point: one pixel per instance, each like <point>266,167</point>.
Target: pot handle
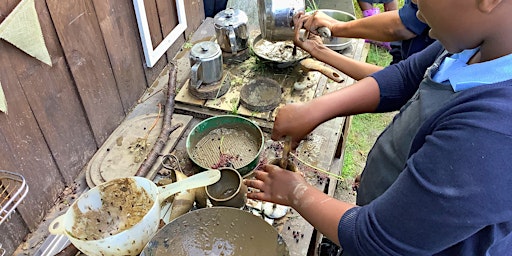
<point>232,39</point>
<point>201,179</point>
<point>57,226</point>
<point>194,79</point>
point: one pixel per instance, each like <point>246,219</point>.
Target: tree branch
<point>167,129</point>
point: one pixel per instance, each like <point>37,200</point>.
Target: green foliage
<point>378,56</point>
<point>364,130</point>
<point>311,5</point>
<point>234,106</point>
<point>187,45</point>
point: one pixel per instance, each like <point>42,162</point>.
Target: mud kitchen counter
<point>322,149</point>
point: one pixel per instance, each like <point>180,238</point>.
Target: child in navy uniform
<point>399,26</point>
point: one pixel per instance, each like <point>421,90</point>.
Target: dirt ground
<point>344,191</point>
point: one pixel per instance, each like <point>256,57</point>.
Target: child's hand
<point>292,119</point>
<point>277,185</point>
<point>305,40</point>
<point>313,22</point>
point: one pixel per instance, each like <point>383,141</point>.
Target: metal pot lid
<point>230,17</point>
<point>205,50</point>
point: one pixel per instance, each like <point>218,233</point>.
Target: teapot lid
<point>230,17</point>
<point>205,50</point>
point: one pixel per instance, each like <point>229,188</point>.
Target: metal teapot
<point>276,18</point>
<point>206,62</point>
<point>231,30</point>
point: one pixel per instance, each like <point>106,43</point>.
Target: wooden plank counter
<point>319,149</point>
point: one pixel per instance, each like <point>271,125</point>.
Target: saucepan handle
<point>57,226</point>
<point>201,179</point>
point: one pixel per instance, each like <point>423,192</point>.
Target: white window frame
<point>152,54</point>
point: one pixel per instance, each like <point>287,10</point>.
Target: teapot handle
<point>232,39</point>
<point>194,80</point>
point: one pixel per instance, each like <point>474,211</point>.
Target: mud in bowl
<point>120,216</point>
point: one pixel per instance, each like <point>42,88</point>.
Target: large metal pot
<point>206,61</point>
<point>217,231</point>
<point>231,30</point>
<point>276,18</point>
<point>337,43</point>
<point>119,217</point>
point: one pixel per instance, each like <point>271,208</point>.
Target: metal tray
<point>13,189</point>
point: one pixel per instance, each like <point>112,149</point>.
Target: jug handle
<point>57,226</point>
<point>201,179</point>
<point>232,39</point>
<point>194,80</point>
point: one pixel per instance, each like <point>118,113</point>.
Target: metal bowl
<point>278,54</point>
<point>337,43</point>
<point>217,231</point>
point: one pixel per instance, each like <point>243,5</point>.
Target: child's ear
<point>487,6</point>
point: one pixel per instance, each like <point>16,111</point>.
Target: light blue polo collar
<point>455,70</point>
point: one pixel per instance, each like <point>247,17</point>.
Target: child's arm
<point>290,188</point>
<point>385,27</point>
<point>385,90</point>
<point>314,45</point>
<point>299,119</point>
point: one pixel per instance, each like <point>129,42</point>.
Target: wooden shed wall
<point>59,116</point>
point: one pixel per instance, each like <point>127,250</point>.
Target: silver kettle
<point>206,62</point>
<point>231,30</point>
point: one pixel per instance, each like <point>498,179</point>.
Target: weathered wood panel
<point>79,32</point>
<point>13,231</point>
<point>155,31</point>
<point>119,28</point>
<point>167,24</point>
<point>55,103</point>
<point>23,147</point>
<point>195,16</point>
<point>6,7</point>
<point>59,115</point>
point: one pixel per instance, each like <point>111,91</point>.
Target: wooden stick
<point>167,129</point>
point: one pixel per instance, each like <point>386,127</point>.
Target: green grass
<point>365,128</point>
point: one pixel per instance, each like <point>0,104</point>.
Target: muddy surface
<point>124,205</point>
<point>219,231</point>
<point>261,94</point>
<point>226,146</point>
<point>280,51</point>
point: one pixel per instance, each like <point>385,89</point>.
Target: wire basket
<point>13,189</point>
